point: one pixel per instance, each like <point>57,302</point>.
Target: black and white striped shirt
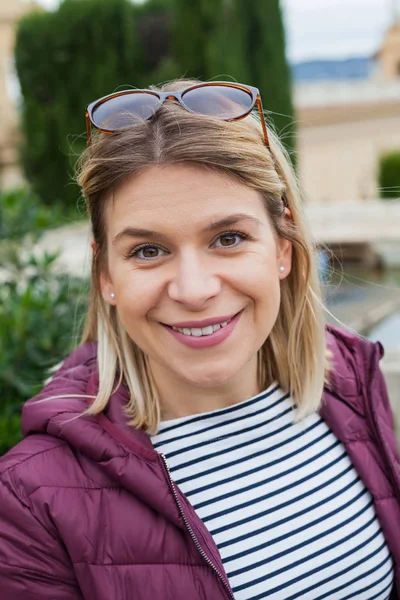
<point>285,506</point>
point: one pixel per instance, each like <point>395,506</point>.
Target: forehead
<point>179,196</point>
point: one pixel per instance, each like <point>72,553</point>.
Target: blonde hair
<point>294,354</point>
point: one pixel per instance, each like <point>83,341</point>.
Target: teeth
<point>207,330</point>
<point>198,332</point>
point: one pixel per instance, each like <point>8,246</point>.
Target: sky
<point>336,28</point>
<point>330,28</point>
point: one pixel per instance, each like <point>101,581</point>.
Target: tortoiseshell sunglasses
<point>217,99</point>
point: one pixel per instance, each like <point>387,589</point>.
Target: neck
<point>182,398</point>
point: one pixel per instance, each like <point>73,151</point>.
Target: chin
<point>211,377</point>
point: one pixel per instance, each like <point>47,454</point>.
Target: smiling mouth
<point>202,331</point>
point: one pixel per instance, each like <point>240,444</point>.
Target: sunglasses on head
<point>217,99</point>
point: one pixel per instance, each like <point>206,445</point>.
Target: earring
<point>282,269</point>
<point>112,295</point>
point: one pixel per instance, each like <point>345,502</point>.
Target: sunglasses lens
<point>222,102</point>
<point>125,110</point>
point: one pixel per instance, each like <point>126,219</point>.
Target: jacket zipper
<point>191,532</point>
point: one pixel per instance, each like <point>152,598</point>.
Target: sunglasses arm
<point>262,119</point>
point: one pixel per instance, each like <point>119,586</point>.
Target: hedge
<point>389,175</point>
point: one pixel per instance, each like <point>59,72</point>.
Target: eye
<point>146,252</point>
<point>229,239</point>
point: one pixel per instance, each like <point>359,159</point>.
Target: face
<point>194,265</point>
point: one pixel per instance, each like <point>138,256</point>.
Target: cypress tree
<point>196,28</point>
<point>253,51</point>
<point>65,59</point>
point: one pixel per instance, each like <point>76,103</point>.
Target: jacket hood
<point>122,453</point>
<point>57,409</point>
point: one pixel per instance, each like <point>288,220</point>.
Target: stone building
<point>388,57</point>
<point>10,13</point>
<point>345,126</point>
<point>343,129</point>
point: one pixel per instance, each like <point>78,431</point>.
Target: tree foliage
<point>89,48</point>
<point>65,59</point>
<point>243,41</point>
<point>253,51</point>
<point>197,31</point>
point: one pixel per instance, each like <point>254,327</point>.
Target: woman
<point>209,439</point>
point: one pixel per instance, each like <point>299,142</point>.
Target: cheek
<point>261,283</point>
<point>137,293</point>
<point>260,274</point>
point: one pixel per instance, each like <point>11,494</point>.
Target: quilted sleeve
<point>33,564</point>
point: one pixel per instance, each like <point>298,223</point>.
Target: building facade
<point>10,13</point>
<point>345,126</point>
<point>388,56</point>
<point>343,129</point>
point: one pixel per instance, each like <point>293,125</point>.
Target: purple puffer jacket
<point>88,510</point>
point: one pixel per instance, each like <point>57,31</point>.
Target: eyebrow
<point>232,220</point>
<point>140,233</point>
<point>225,222</point>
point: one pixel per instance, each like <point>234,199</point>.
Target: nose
<point>194,282</point>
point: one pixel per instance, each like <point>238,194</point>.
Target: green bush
<point>10,431</point>
<point>22,212</point>
<point>39,315</point>
<point>389,175</point>
<point>40,311</point>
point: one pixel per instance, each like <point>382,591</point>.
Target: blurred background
<point>329,76</point>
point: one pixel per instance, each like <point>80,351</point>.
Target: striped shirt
<point>285,506</point>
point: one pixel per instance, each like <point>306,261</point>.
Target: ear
<point>284,252</point>
<point>106,285</point>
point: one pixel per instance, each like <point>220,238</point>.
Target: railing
<point>355,222</point>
